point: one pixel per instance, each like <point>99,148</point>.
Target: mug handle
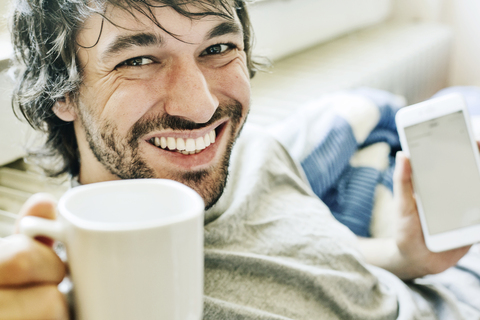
<point>35,226</point>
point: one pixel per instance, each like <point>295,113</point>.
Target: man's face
<point>156,106</point>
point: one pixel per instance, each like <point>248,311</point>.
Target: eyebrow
<point>227,27</point>
<point>135,40</point>
<point>125,42</point>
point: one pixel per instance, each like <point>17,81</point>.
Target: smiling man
<point>157,103</point>
<point>138,89</point>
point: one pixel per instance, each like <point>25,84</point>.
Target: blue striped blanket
<point>346,143</point>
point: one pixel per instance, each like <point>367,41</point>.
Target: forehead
<point>162,19</point>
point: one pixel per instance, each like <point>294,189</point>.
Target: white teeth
<point>185,146</point>
<point>200,143</point>
<point>180,144</point>
<point>190,145</point>
<point>212,136</point>
<point>163,142</point>
<point>207,139</point>
<point>171,144</point>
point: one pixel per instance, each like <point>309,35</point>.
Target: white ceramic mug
<point>134,249</point>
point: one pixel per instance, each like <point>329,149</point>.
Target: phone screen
<point>445,174</point>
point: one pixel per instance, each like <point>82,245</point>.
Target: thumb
<point>402,182</point>
<point>42,205</point>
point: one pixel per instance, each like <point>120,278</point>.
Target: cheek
<point>131,100</point>
<point>233,82</point>
<point>122,102</point>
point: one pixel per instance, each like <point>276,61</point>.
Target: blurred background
<point>410,47</point>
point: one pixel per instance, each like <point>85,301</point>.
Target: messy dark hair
<point>44,37</point>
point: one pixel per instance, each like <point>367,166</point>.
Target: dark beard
<point>119,155</point>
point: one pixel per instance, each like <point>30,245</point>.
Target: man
<point>128,89</point>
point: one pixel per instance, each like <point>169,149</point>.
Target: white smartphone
<point>437,137</point>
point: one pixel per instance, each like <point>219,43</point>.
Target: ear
<point>65,110</point>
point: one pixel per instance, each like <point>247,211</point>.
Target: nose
<point>188,93</point>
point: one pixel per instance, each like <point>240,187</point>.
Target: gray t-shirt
<point>274,251</point>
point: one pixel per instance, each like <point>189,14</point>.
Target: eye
<point>218,49</point>
<point>136,62</point>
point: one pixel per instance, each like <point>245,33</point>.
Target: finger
<point>26,261</point>
<point>446,259</point>
<point>457,254</point>
<point>40,205</point>
<point>402,179</point>
<point>403,171</point>
<point>463,250</point>
<point>403,188</point>
<point>44,302</point>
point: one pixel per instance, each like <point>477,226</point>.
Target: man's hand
<point>30,271</point>
<point>415,257</point>
<point>407,255</point>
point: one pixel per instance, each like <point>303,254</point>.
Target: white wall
<point>421,10</point>
<point>464,17</point>
<point>284,27</point>
<point>12,131</point>
<point>4,5</point>
<point>4,37</point>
